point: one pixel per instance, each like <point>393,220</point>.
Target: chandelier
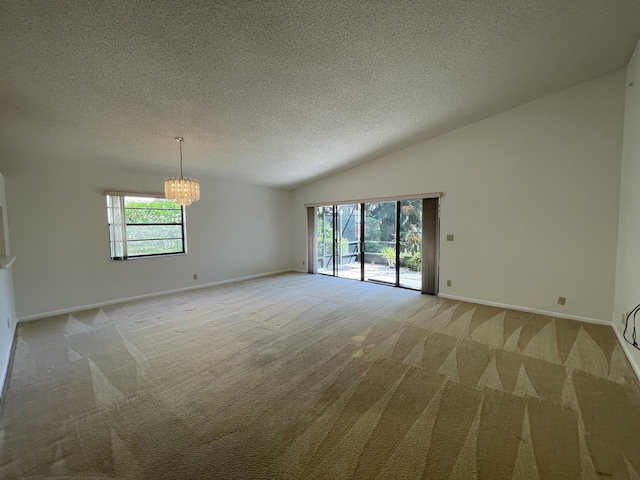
<point>184,191</point>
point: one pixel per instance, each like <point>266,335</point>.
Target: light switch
<point>449,238</point>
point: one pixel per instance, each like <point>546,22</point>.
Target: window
<point>144,225</point>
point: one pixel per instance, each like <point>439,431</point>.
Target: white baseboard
<point>528,310</point>
<point>80,308</point>
<point>628,351</point>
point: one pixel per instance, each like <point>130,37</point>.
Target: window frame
<point>116,206</point>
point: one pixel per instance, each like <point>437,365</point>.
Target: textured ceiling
<point>281,92</point>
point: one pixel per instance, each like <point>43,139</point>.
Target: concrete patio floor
<point>378,273</point>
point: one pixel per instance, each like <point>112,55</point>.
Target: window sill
<point>161,255</point>
<point>6,261</point>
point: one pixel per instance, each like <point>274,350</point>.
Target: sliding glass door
<point>338,230</point>
<point>380,246</point>
<point>410,242</point>
<point>384,248</point>
<point>348,238</point>
<point>324,224</point>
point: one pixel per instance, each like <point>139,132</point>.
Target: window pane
<point>325,240</point>
<point>411,243</point>
<point>152,210</point>
<point>153,232</point>
<point>380,242</point>
<point>153,247</point>
<point>155,201</point>
<point>348,238</point>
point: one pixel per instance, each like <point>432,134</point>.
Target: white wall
<point>59,235</point>
<point>7,308</point>
<point>530,194</point>
<point>627,294</point>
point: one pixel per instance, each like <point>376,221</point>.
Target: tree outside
<point>154,226</point>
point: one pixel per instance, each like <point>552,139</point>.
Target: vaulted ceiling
<point>281,92</point>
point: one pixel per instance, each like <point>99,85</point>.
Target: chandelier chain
<point>180,142</point>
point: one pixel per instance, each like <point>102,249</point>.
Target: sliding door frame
<point>361,246</point>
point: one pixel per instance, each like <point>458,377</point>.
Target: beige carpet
<point>302,377</point>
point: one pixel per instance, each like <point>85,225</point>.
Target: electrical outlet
<point>195,276</point>
<point>448,283</point>
<point>449,238</point>
<point>562,300</point>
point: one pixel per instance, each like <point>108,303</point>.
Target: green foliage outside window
<point>153,211</point>
<point>154,226</point>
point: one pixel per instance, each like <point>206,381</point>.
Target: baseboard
<point>526,309</point>
<point>8,359</point>
<point>628,351</point>
<point>80,308</point>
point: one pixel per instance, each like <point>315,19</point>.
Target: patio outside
<point>377,273</point>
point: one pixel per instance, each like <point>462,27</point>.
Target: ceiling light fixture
<point>184,191</point>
